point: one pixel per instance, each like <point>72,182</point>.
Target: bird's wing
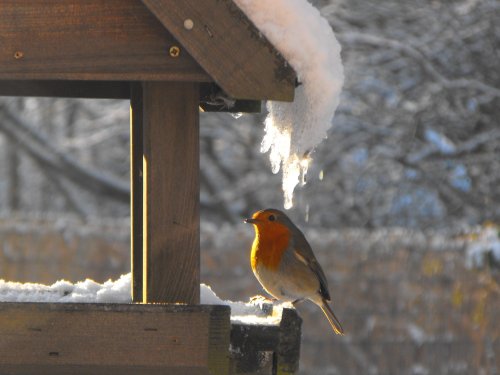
<point>307,257</point>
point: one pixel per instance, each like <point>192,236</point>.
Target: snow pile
<point>118,291</point>
<point>485,249</point>
<point>307,42</point>
<point>63,291</point>
<point>246,313</point>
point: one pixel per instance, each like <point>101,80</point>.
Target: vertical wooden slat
<point>288,353</point>
<point>266,349</point>
<point>171,192</point>
<point>136,152</point>
<point>219,341</point>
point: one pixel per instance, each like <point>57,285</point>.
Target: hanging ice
<point>308,43</point>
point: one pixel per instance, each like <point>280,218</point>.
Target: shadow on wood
<point>267,349</point>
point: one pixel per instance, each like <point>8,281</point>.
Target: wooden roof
<point>127,40</point>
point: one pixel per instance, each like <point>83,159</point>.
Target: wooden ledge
<point>54,338</point>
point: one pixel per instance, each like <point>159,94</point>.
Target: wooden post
<point>286,357</point>
<point>170,192</point>
<point>136,152</point>
<point>266,349</point>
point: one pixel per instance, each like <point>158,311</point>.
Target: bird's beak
<point>250,221</point>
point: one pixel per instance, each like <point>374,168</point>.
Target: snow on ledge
<point>62,291</point>
<point>89,291</point>
<point>306,40</point>
<point>245,313</point>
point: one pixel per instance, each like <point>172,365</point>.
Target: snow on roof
<point>118,291</point>
<point>306,40</point>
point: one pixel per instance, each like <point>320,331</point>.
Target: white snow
<point>64,291</point>
<point>487,244</point>
<point>118,291</point>
<point>306,40</point>
<point>247,313</point>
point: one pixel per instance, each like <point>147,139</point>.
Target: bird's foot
<point>261,299</point>
<point>264,303</point>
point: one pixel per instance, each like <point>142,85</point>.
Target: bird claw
<point>261,299</point>
<point>264,303</point>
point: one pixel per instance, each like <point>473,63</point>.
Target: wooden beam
<point>228,47</point>
<point>211,96</point>
<point>171,191</point>
<point>89,40</point>
<point>66,89</point>
<point>214,99</point>
<point>136,192</point>
<point>61,339</point>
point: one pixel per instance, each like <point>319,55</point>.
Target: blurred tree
<point>415,141</point>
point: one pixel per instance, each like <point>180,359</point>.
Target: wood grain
<point>229,47</point>
<point>108,338</point>
<point>88,40</point>
<point>171,188</point>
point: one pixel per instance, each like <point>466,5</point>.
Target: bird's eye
<point>272,217</point>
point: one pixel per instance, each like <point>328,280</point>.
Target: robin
<point>284,263</point>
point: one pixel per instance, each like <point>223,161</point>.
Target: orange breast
<point>269,245</point>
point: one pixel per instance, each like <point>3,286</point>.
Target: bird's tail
<point>332,319</point>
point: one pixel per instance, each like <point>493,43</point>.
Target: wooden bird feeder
<point>169,58</point>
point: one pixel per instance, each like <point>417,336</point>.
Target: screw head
<point>174,51</point>
<point>188,24</point>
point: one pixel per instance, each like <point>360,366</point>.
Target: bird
<point>284,263</point>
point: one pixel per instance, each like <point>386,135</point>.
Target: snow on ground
<point>118,291</point>
<point>307,42</point>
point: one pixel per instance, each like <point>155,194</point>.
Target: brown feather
<point>307,254</point>
<point>332,319</point>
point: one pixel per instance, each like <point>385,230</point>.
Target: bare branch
<point>42,150</point>
<point>421,59</point>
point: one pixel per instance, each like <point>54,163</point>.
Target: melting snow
<point>307,42</point>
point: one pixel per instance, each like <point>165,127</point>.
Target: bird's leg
<point>297,301</point>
